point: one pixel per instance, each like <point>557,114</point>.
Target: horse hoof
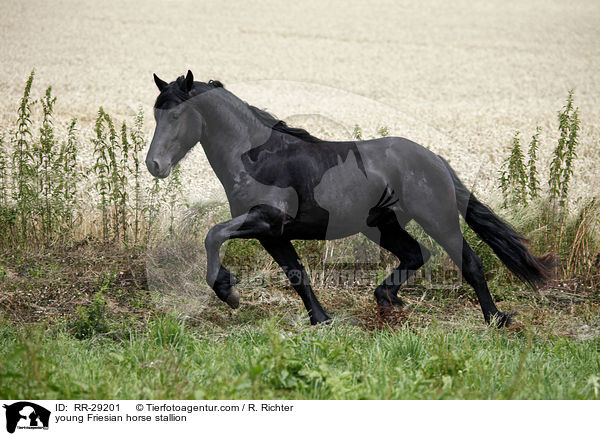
<point>322,319</point>
<point>504,319</point>
<point>233,300</point>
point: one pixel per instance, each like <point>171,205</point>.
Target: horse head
<point>178,124</point>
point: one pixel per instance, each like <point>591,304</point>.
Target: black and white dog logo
<point>26,415</point>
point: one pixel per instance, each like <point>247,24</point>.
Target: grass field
<point>264,360</point>
<point>90,328</point>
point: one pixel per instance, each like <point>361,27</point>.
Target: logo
<point>26,415</point>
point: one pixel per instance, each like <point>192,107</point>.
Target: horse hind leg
<point>447,233</point>
<point>411,254</point>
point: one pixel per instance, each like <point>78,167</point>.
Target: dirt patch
<point>48,285</point>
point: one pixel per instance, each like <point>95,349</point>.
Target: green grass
<point>268,360</point>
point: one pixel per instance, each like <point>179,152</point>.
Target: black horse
<point>283,184</point>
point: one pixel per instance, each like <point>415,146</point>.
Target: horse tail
<point>509,246</point>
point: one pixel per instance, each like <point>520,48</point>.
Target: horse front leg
<point>250,225</point>
<point>285,255</point>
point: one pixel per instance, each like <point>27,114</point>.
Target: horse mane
<point>173,95</point>
<point>270,121</point>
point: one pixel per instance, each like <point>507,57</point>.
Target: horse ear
<point>189,81</point>
<point>159,83</point>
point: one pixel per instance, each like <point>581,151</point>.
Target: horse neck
<point>230,130</point>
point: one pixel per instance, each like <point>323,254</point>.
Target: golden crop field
<point>460,77</point>
<point>112,286</point>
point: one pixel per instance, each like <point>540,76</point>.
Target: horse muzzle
<point>158,170</point>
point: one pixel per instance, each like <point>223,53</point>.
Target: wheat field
<point>93,307</point>
<point>460,77</point>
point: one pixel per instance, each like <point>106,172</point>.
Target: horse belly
<point>347,193</point>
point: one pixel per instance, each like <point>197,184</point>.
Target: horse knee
<point>213,238</point>
<point>416,259</point>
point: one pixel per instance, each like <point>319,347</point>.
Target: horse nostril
<point>160,170</point>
